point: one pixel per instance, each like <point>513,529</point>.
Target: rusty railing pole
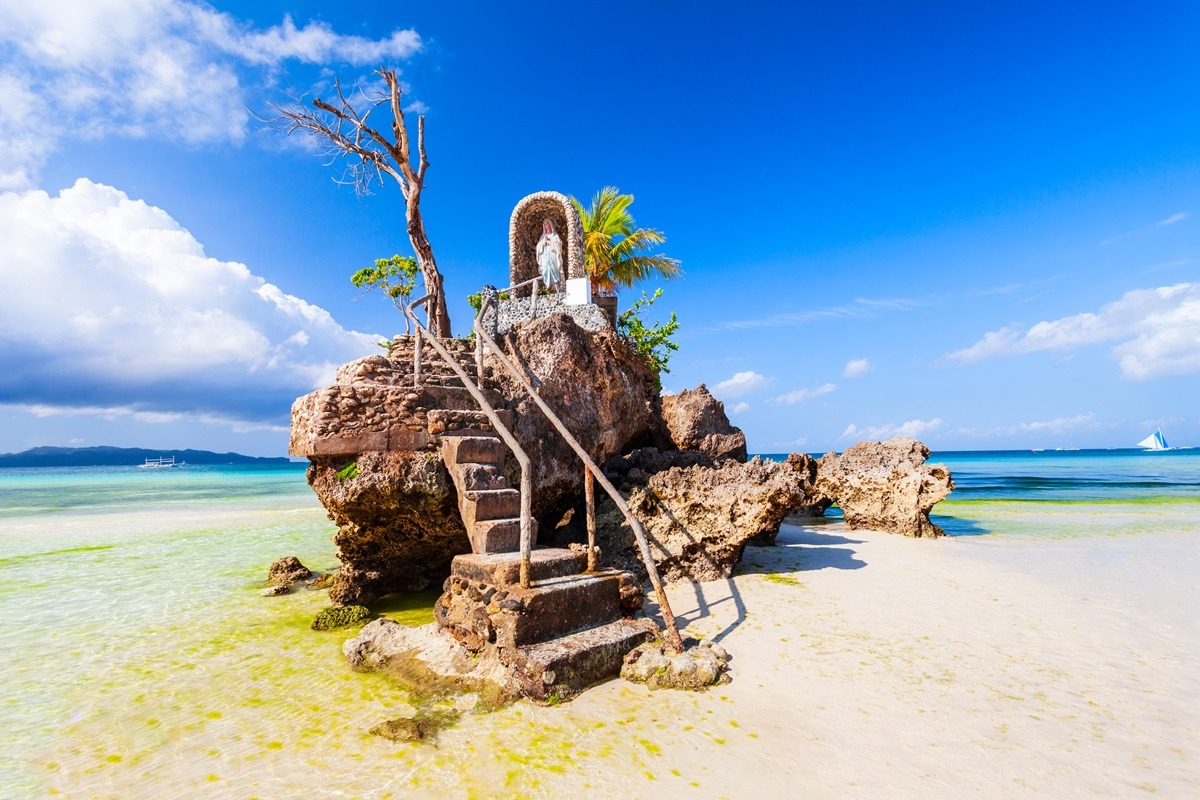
<point>673,638</point>
<point>533,296</point>
<point>526,522</point>
<point>589,493</point>
<point>417,358</point>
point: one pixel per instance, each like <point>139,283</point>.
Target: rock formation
<point>373,439</point>
<point>886,486</point>
<point>286,571</point>
<point>699,514</point>
<point>696,420</point>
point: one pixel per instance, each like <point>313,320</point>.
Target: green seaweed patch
<point>784,580</point>
<point>329,619</point>
<point>48,553</point>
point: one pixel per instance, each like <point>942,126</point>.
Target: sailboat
<point>1154,441</point>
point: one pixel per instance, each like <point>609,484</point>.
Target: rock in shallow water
<point>287,571</point>
<point>340,617</point>
<point>886,486</point>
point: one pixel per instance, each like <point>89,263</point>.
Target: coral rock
<point>886,486</point>
<point>700,516</point>
<point>287,571</point>
<point>696,420</point>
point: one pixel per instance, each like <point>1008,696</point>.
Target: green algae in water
<point>328,619</point>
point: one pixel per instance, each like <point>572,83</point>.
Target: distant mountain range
<point>121,457</point>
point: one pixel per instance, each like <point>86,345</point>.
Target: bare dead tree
<point>342,126</point>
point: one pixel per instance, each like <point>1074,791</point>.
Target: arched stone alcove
<point>525,228</point>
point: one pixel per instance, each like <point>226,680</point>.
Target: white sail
<point>1154,441</point>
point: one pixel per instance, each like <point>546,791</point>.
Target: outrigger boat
<point>161,462</point>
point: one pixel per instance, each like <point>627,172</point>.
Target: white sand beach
<point>865,665</point>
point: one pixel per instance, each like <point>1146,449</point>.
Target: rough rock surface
<point>398,522</point>
<point>886,486</point>
<point>596,384</point>
<point>813,504</point>
<point>429,661</point>
<point>396,507</point>
<point>286,571</point>
<point>339,617</point>
<point>697,667</point>
<point>699,514</point>
<point>696,420</point>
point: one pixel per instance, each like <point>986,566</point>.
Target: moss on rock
<point>340,617</point>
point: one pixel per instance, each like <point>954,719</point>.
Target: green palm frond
<point>615,250</point>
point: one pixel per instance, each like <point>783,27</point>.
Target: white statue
<point>549,256</point>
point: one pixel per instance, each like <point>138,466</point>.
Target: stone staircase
<point>565,630</point>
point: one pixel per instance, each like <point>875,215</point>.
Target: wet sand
<point>865,665</point>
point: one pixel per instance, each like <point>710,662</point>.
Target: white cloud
<point>857,368</point>
<point>1179,216</point>
<point>108,306</point>
<point>860,308</point>
<point>170,69</point>
<point>741,383</point>
<point>1157,333</point>
<point>915,428</point>
<point>740,408</point>
<point>1079,422</point>
<point>800,395</point>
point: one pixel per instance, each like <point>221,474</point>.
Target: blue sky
<point>975,224</point>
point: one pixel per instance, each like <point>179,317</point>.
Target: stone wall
<point>517,309</point>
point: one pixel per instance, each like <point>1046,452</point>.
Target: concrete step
<point>473,450</point>
<point>499,536</point>
<point>491,504</point>
<point>558,606</point>
<point>504,569</point>
<point>565,666</point>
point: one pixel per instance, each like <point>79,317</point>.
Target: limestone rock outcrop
<point>373,440</point>
<point>695,420</point>
<point>398,523</point>
<point>699,513</point>
<point>603,392</point>
<point>886,486</point>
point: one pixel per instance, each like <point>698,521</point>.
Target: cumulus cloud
<point>108,306</point>
<point>800,395</point>
<point>138,68</point>
<point>741,383</point>
<point>916,428</point>
<point>740,408</point>
<point>1156,333</point>
<point>857,368</point>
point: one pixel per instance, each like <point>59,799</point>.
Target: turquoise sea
<point>137,658</point>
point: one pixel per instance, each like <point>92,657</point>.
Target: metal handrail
<point>592,471</point>
<point>497,424</point>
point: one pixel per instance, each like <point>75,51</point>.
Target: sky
<point>977,224</point>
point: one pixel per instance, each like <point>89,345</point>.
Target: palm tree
<point>615,254</point>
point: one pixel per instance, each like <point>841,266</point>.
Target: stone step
<point>473,450</point>
<point>492,504</point>
<point>567,665</point>
<point>558,606</point>
<point>504,569</point>
<point>499,536</point>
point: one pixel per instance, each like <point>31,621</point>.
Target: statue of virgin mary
<point>549,256</point>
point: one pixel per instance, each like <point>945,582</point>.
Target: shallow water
<point>138,659</point>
